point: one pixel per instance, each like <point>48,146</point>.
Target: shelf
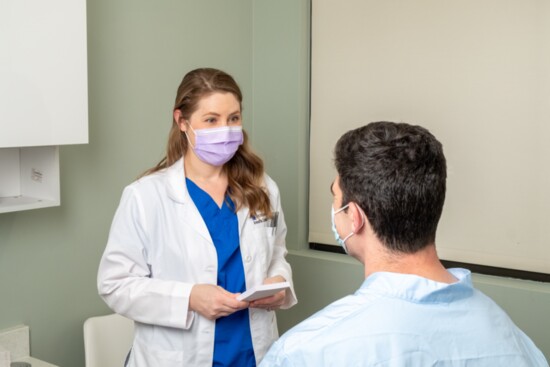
<point>29,178</point>
<point>14,204</point>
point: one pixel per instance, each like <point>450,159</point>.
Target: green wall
<point>138,51</point>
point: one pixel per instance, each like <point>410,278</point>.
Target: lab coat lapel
<point>191,216</point>
<point>177,191</point>
<point>242,216</point>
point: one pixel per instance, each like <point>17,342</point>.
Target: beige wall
<point>138,51</point>
<point>320,277</point>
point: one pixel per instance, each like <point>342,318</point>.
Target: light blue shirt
<point>405,320</point>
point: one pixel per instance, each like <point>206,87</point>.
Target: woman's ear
<point>180,120</point>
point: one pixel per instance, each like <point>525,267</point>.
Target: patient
<point>410,311</point>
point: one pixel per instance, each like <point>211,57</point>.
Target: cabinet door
<point>43,73</point>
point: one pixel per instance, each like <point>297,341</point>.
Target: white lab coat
<point>159,247</point>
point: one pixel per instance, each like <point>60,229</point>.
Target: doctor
<point>195,231</point>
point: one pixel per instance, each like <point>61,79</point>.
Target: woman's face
<point>215,110</point>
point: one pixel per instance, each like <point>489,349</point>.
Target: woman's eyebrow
<point>210,114</point>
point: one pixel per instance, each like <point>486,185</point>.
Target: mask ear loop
<point>187,136</point>
<point>362,220</point>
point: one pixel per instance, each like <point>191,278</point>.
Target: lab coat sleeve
<point>279,265</point>
<point>124,278</point>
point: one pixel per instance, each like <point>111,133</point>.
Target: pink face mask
<point>216,146</point>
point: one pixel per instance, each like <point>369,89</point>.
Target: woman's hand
<point>272,302</point>
<point>213,301</point>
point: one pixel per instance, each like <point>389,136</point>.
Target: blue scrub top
<point>233,341</point>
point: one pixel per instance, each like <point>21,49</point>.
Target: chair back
<point>107,340</point>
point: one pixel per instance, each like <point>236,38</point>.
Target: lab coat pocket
<point>264,241</point>
<point>145,356</point>
<point>152,354</point>
<point>167,358</point>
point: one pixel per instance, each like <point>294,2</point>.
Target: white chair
<point>107,340</point>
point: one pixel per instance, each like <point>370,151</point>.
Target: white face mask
<point>341,242</point>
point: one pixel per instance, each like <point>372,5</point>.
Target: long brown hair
<point>245,171</point>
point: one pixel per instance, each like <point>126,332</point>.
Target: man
<point>410,310</point>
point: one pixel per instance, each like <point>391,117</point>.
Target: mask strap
<point>187,136</point>
<point>348,236</point>
<point>342,208</point>
<point>362,221</point>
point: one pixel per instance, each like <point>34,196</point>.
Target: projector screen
<point>476,73</point>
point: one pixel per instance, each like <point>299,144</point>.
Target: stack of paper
<point>262,291</point>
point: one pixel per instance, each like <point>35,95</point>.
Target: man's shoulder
<point>349,340</point>
<point>326,325</point>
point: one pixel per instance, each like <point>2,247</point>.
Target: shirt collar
<point>414,288</point>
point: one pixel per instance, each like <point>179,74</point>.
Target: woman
<point>195,231</point>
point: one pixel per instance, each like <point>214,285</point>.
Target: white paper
<point>262,291</point>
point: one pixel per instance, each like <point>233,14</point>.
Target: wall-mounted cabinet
<point>30,178</point>
<point>43,96</point>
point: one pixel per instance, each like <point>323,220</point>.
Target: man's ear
<point>180,120</point>
<point>358,217</point>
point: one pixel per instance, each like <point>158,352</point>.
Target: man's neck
<point>424,263</point>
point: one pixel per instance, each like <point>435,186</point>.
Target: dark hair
<point>396,173</point>
<point>245,171</point>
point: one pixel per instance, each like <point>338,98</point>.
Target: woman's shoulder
<point>165,184</point>
<point>272,188</point>
<point>146,185</point>
<point>268,180</point>
<point>270,183</point>
<point>152,179</point>
<point>158,177</point>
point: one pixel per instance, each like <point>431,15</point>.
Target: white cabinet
<point>43,96</point>
<point>29,179</point>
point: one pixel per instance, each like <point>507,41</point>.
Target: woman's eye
<point>211,120</point>
<point>235,118</point>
